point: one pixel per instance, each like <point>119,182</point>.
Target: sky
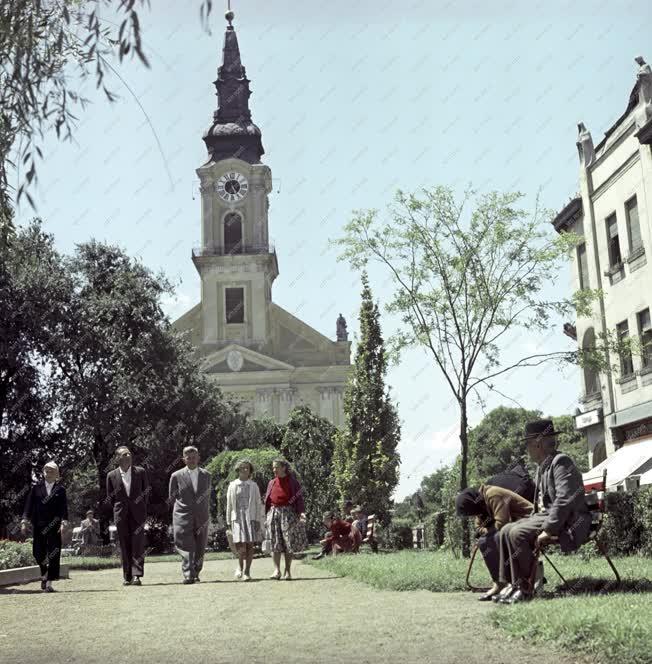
<point>353,100</point>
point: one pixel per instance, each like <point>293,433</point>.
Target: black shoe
<point>127,582</point>
<point>43,583</point>
<point>504,593</point>
<point>487,597</point>
<point>517,597</point>
<point>49,589</point>
<point>197,579</point>
<point>136,581</point>
<point>187,582</point>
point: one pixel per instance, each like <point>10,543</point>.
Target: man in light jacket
<point>190,490</point>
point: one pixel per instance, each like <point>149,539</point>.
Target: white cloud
<point>422,454</point>
<point>177,304</point>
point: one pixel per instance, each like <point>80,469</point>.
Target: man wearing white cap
<point>47,510</point>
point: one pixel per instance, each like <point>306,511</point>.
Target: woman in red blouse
<point>285,522</point>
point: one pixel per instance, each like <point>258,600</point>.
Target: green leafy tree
<point>47,48</point>
<point>366,458</point>
<point>122,376</point>
<point>308,444</point>
<point>432,489</point>
<point>462,284</point>
<point>33,285</point>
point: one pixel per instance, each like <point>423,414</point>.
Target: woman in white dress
<point>245,516</point>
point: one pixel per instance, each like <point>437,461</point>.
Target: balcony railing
<point>268,248</point>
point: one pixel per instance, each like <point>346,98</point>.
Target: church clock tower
<point>235,261</point>
<point>259,353</point>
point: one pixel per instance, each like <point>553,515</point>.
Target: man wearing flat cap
<point>560,513</point>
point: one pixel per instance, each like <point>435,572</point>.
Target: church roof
<point>233,134</point>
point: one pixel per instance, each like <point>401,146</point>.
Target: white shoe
<point>246,577</point>
<point>238,574</point>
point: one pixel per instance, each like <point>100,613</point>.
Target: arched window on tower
<point>591,378</point>
<point>233,233</point>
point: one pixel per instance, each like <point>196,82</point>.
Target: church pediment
<point>235,358</point>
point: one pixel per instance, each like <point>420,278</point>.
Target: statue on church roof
<point>342,334</point>
<point>585,146</point>
<point>644,79</point>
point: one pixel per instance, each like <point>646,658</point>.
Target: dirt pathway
<point>315,618</point>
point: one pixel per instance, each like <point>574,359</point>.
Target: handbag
<point>229,537</point>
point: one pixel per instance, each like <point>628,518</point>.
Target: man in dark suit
<point>560,513</point>
<point>127,490</point>
<point>47,510</point>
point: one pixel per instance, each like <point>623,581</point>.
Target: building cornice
<point>572,212</point>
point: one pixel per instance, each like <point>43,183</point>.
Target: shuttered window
<point>633,225</point>
<point>583,266</point>
<point>612,240</point>
<point>626,366</point>
<point>645,333</point>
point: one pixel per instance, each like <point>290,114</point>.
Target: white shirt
<point>194,478</point>
<point>126,479</point>
<point>48,487</point>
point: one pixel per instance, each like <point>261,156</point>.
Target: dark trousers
<point>132,546</point>
<point>490,550</point>
<point>46,547</point>
<point>516,543</point>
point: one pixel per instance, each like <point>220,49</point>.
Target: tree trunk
<point>464,440</point>
<point>102,466</point>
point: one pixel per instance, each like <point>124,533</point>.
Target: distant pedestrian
<point>46,509</point>
<point>127,490</point>
<point>285,523</point>
<point>245,516</point>
<point>190,490</point>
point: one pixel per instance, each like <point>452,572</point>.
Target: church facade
<point>256,351</point>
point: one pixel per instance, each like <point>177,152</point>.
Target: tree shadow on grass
<point>588,585</point>
<point>38,591</point>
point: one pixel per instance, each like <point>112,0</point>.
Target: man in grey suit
<point>190,490</point>
<point>560,513</point>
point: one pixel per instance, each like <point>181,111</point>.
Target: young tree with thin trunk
<point>462,283</point>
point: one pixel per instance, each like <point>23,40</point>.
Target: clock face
<point>232,187</point>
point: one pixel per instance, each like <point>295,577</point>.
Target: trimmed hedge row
<point>627,528</point>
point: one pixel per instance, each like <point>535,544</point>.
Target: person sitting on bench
<point>560,513</point>
<point>493,507</point>
<point>344,537</point>
<point>359,520</point>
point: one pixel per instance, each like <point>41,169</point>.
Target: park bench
<point>594,495</point>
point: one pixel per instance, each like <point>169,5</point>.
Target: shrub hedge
<point>15,554</point>
<point>627,527</point>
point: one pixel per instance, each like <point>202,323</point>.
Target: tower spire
<point>233,134</point>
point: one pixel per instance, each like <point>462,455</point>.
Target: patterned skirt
<point>284,531</point>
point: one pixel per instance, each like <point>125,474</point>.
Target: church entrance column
<point>286,403</point>
<point>263,406</point>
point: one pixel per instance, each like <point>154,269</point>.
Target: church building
<point>256,351</point>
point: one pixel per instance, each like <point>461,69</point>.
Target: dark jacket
<point>560,483</point>
<point>296,496</point>
<point>43,510</point>
<point>136,502</point>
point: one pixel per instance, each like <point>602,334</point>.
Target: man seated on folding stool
<point>560,514</point>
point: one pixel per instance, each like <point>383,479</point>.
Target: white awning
<point>621,464</point>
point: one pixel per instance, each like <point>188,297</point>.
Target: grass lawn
<point>594,618</point>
